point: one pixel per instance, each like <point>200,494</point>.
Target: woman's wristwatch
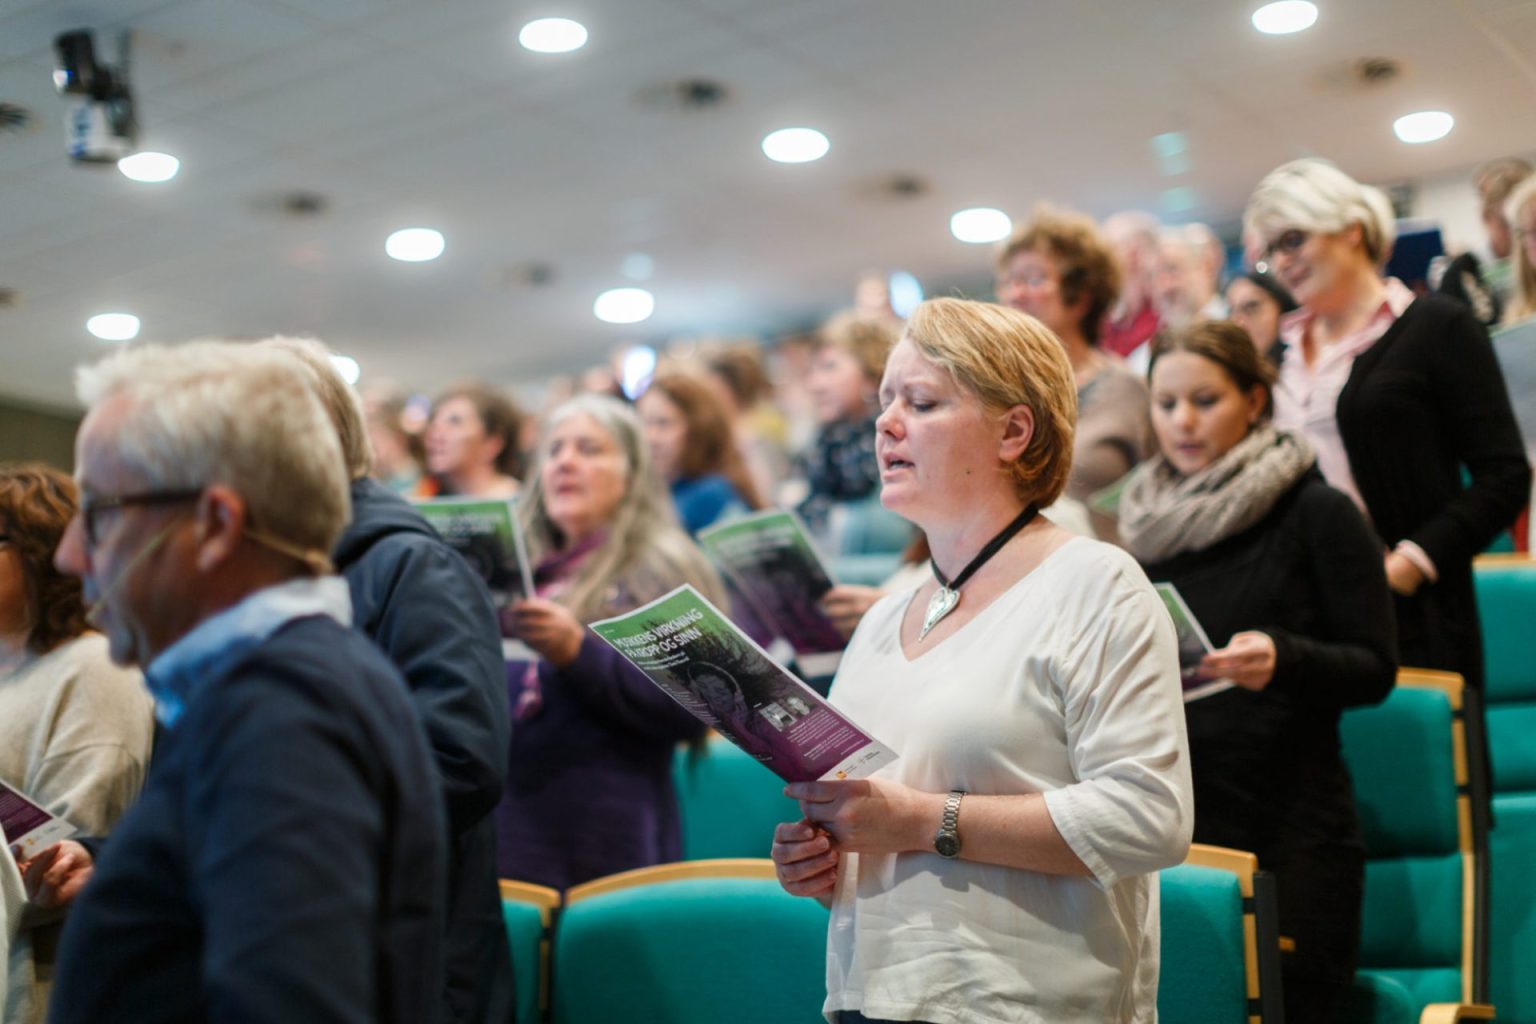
<point>946,843</point>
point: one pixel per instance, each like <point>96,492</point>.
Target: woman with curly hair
<point>75,730</point>
<point>1061,271</point>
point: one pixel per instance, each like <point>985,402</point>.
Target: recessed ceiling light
<point>980,224</point>
<point>1424,126</point>
<point>795,145</point>
<point>114,326</point>
<point>149,167</point>
<point>347,367</point>
<point>415,245</point>
<point>553,35</point>
<point>1284,17</point>
<point>624,305</point>
<point>906,293</point>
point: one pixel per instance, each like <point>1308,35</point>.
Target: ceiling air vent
<point>10,298</point>
<point>894,187</point>
<point>685,94</point>
<point>1376,70</point>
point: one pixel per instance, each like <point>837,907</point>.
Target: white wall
<point>1452,201</point>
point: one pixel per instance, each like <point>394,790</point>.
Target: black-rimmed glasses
<point>92,508</point>
<point>1288,242</point>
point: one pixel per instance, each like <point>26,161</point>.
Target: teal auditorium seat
<point>866,527</point>
<point>1506,601</point>
<point>1408,760</point>
<point>729,802</point>
<point>694,943</point>
<point>528,910</point>
<point>1220,958</point>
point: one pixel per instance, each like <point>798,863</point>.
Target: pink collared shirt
<point>1307,396</point>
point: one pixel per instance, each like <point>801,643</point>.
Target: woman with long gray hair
<point>590,787</point>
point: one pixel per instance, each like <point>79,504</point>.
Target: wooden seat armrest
<point>1450,1013</point>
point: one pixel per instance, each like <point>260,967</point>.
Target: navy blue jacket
<point>429,612</point>
<point>285,860</point>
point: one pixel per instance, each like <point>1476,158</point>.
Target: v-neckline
<point>907,607</point>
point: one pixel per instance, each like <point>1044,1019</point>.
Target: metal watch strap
<point>947,841</point>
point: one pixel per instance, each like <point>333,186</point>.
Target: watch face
<point>947,844</point>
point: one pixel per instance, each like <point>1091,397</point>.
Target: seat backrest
<point>1512,914</point>
<point>1506,604</point>
<point>528,911</point>
<point>1203,973</point>
<point>1408,760</point>
<point>706,941</point>
<point>729,802</point>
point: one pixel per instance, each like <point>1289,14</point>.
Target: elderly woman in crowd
<point>1397,396</point>
<point>1284,574</point>
<point>1001,869</point>
<point>589,790</point>
<point>693,449</point>
<point>75,730</point>
<point>472,444</point>
<point>1058,269</point>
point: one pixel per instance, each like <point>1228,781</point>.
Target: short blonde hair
<point>1314,195</point>
<point>868,340</point>
<point>1007,358</point>
<point>336,396</point>
<point>240,415</point>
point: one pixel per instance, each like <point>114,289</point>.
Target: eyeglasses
<point>1288,243</point>
<point>90,511</point>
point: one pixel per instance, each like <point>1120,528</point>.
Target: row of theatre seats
<point>714,938</point>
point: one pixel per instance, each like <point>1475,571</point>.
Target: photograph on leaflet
<point>769,561</point>
<point>1194,645</point>
<point>702,660</point>
<point>489,537</point>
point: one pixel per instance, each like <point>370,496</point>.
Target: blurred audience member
<point>1398,397</point>
<point>1286,577</point>
<point>472,443</point>
<point>1522,221</point>
<point>395,461</point>
<point>432,617</point>
<point>1058,269</point>
<point>844,377</point>
<point>1496,182</point>
<point>589,790</point>
<point>1190,259</point>
<point>693,450</point>
<point>75,730</point>
<point>1132,321</point>
<point>758,428</point>
<point>1258,302</point>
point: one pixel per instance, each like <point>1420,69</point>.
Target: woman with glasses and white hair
<point>589,791</point>
<point>1002,867</point>
<point>1396,395</point>
<point>75,729</point>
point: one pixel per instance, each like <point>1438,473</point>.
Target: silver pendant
<point>940,604</point>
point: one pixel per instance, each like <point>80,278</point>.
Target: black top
<point>1423,403</point>
<point>432,616</point>
<point>284,861</point>
<point>1310,575</point>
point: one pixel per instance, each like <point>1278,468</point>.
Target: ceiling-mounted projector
<point>99,126</point>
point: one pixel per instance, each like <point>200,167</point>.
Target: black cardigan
<point>1422,403</point>
<point>1310,575</point>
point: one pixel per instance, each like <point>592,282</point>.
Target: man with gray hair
<point>285,860</point>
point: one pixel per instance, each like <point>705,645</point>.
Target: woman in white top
<point>999,869</point>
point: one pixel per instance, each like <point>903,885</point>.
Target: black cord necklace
<point>947,596</point>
